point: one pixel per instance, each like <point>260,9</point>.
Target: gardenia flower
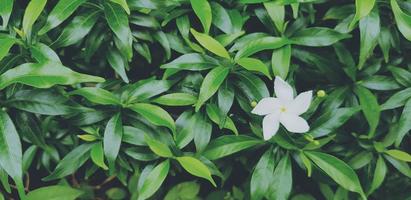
<point>283,109</point>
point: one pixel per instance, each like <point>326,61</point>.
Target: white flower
<point>284,109</point>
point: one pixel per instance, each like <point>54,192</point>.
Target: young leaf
<point>210,44</point>
<point>338,170</point>
<point>196,168</point>
<point>60,12</point>
<point>6,43</point>
<point>32,12</point>
<point>203,11</point>
<point>112,139</point>
<point>210,84</point>
<point>154,180</point>
<point>97,155</point>
<point>362,9</point>
<point>379,175</point>
<point>399,155</point>
<point>176,99</point>
<point>44,75</point>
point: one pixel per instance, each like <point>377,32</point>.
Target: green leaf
<point>403,20</point>
<point>43,53</point>
<point>404,123</point>
<point>122,3</point>
<point>118,22</point>
<point>401,75</point>
<point>210,84</point>
<point>112,139</point>
<point>54,192</point>
<point>97,95</point>
<point>32,12</point>
<point>203,11</point>
<point>158,147</point>
<point>6,43</point>
<point>97,155</point>
<point>154,180</point>
<point>176,99</point>
<point>227,145</point>
<point>44,75</point>
<point>276,13</point>
<point>280,61</point>
<point>369,32</point>
<point>331,120</point>
<point>60,12</point>
<point>196,168</point>
<point>210,44</point>
<point>379,175</point>
<point>202,131</point>
<point>370,108</point>
<point>6,6</point>
<point>380,82</point>
<point>401,166</point>
<point>118,63</point>
<point>253,64</point>
<point>10,150</point>
<point>398,99</point>
<point>145,89</point>
<point>262,176</point>
<point>281,183</point>
<point>338,170</point>
<point>77,29</point>
<point>362,9</point>
<point>317,37</point>
<point>71,162</point>
<point>260,44</point>
<point>399,155</point>
<point>213,113</point>
<point>192,62</point>
<point>184,190</point>
<point>154,114</point>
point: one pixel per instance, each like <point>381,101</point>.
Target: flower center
<point>283,109</point>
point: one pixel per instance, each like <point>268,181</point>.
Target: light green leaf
<point>154,114</point>
<point>276,13</point>
<point>338,170</point>
<point>317,37</point>
<point>97,155</point>
<point>203,11</point>
<point>398,154</point>
<point>158,147</point>
<point>260,44</point>
<point>210,84</point>
<point>176,99</point>
<point>403,20</point>
<point>32,12</point>
<point>60,12</point>
<point>6,6</point>
<point>153,180</point>
<point>112,139</point>
<point>362,9</point>
<point>282,181</point>
<point>44,75</point>
<point>54,192</point>
<point>6,43</point>
<point>369,32</point>
<point>196,168</point>
<point>227,145</point>
<point>262,176</point>
<point>253,64</point>
<point>379,175</point>
<point>210,44</point>
<point>370,108</point>
<point>122,3</point>
<point>280,61</point>
<point>97,95</point>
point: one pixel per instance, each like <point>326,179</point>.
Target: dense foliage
<point>152,99</point>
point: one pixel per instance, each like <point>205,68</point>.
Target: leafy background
<point>139,99</point>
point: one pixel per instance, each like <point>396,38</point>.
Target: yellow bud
<point>4,109</point>
<point>321,93</point>
<point>253,104</point>
<point>316,142</point>
<point>87,137</point>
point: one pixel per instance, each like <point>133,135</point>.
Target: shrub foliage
<point>152,99</point>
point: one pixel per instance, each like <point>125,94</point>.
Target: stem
<point>20,189</point>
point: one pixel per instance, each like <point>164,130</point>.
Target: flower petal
<point>266,106</point>
<point>283,90</point>
<point>301,103</point>
<point>294,123</point>
<point>270,126</point>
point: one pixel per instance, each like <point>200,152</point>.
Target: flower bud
<point>321,93</point>
<point>253,104</point>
